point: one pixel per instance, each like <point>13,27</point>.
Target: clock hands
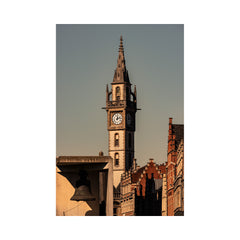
<point>117,118</point>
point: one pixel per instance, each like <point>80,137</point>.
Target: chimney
<point>170,121</point>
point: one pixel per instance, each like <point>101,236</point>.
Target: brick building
<point>142,190</point>
<point>179,182</point>
<point>175,137</point>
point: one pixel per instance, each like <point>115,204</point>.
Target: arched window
<point>118,93</point>
<point>129,140</point>
<point>116,159</point>
<point>116,139</point>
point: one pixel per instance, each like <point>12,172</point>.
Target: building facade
<point>179,182</point>
<point>84,185</point>
<point>164,194</point>
<point>175,136</point>
<point>142,190</point>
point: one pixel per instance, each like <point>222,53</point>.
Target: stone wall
<point>65,190</point>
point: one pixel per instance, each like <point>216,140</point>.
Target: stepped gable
<point>139,177</point>
<point>136,175</point>
<point>162,168</point>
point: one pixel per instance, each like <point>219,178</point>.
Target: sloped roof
<point>135,176</point>
<point>178,130</point>
<point>158,183</point>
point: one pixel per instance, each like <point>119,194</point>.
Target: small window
<point>116,159</point>
<point>118,93</point>
<point>116,140</point>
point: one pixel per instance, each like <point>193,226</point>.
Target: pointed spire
<point>121,45</point>
<point>121,74</point>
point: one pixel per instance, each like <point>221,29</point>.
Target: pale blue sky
<point>86,60</point>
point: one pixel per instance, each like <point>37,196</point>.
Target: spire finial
<point>121,44</point>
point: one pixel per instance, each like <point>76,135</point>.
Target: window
<point>118,93</point>
<point>116,139</point>
<point>116,159</point>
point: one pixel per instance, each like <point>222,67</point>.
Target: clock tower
<point>121,107</point>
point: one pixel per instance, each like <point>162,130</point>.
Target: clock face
<point>117,118</point>
<point>129,119</point>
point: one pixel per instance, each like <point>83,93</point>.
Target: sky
<point>86,57</point>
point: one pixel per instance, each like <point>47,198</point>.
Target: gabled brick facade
<point>141,190</point>
<point>175,135</point>
<point>179,182</point>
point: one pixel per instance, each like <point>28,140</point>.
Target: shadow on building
<point>151,203</point>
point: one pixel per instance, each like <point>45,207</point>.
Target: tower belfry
<point>121,107</point>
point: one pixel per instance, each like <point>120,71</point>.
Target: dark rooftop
<point>178,130</point>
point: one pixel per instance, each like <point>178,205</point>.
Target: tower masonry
<point>121,107</point>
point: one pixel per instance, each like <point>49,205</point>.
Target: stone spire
<point>121,45</point>
<point>121,73</point>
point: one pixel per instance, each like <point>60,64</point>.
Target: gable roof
<point>178,130</point>
<point>136,175</point>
